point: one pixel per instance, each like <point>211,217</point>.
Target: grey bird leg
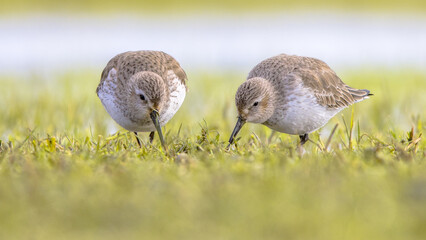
<point>303,138</point>
<point>137,139</point>
<point>151,137</point>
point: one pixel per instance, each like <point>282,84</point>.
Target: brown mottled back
<point>129,63</point>
<point>312,73</point>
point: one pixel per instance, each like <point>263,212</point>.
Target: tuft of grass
<point>68,171</point>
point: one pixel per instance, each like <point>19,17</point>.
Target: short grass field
<point>67,171</point>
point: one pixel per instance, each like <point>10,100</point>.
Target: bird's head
<point>148,96</point>
<point>148,92</point>
<point>255,100</point>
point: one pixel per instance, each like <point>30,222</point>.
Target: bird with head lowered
<point>294,95</point>
<point>142,90</point>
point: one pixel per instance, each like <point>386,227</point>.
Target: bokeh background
<point>67,171</point>
<point>44,36</point>
<point>376,40</point>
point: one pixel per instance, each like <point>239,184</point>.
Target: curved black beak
<point>237,128</point>
<point>155,119</point>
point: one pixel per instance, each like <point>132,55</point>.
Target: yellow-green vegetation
<point>180,7</point>
<point>66,174</point>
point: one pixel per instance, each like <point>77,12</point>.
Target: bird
<point>142,91</point>
<point>294,95</point>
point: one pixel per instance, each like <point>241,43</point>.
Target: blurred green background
<point>189,6</point>
<point>67,171</point>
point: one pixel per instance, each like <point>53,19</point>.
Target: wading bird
<point>294,95</point>
<point>142,90</point>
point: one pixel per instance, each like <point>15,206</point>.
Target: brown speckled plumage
<point>314,74</point>
<point>129,63</point>
<point>293,94</point>
<point>142,90</point>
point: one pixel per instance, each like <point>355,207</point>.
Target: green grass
<point>179,7</point>
<point>66,174</point>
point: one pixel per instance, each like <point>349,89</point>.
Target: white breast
<point>177,95</point>
<point>108,99</point>
<point>300,113</point>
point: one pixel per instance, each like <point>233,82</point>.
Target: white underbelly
<point>177,95</point>
<point>300,115</point>
<point>108,99</point>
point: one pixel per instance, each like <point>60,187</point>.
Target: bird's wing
<point>104,75</point>
<point>128,63</point>
<point>327,87</point>
<point>312,73</point>
<point>172,65</point>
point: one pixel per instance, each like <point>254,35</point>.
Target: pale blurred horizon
<point>206,37</point>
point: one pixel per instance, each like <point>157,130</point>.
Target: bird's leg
<point>151,137</point>
<point>303,139</point>
<point>137,139</point>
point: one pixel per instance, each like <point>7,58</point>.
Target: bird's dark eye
<point>255,104</point>
<point>142,97</point>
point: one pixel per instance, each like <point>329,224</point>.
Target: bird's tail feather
<point>359,94</point>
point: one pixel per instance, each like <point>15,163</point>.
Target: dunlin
<point>294,95</point>
<point>142,90</point>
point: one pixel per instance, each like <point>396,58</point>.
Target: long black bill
<point>155,119</point>
<point>237,128</point>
